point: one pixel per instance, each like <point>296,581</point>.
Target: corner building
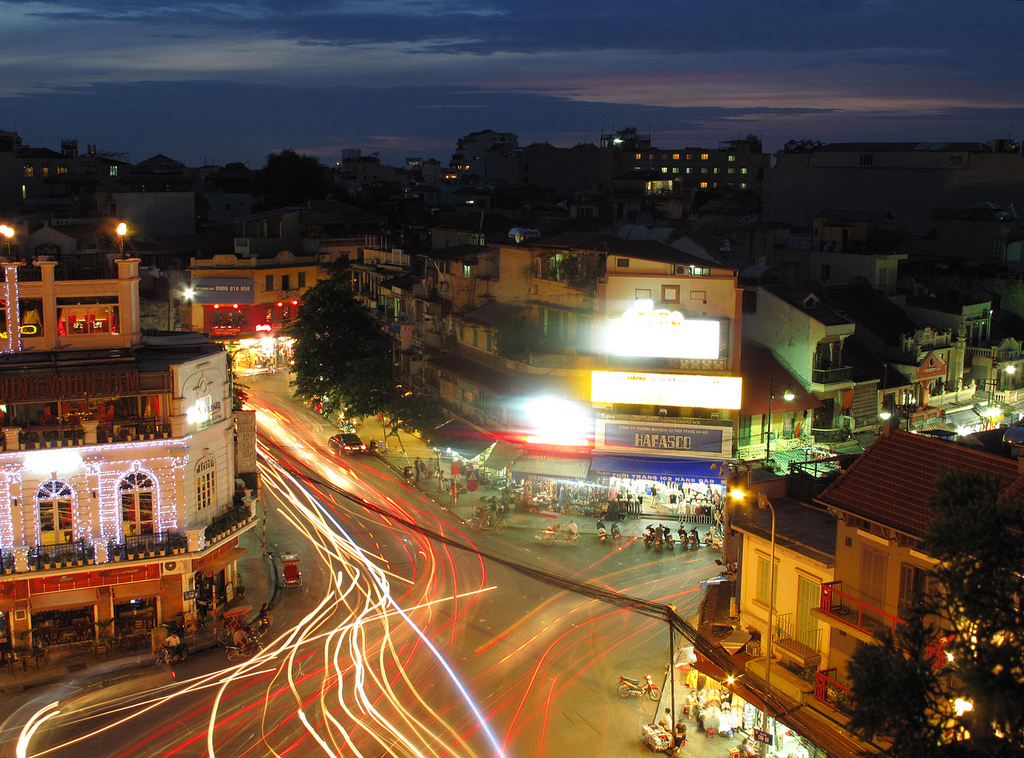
<point>121,502</point>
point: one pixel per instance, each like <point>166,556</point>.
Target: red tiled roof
<point>891,481</point>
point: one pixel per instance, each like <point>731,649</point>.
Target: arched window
<point>54,498</point>
<point>137,504</point>
<point>206,480</point>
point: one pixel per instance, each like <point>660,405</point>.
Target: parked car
<point>350,444</point>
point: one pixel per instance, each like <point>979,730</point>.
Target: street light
<point>788,397</point>
<point>7,232</point>
<point>122,229</point>
<point>764,502</point>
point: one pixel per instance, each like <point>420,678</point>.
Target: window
<point>743,185</point>
<point>689,170</point>
<point>703,170</point>
<point>98,315</point>
<point>714,171</point>
<point>62,168</point>
<point>206,483</point>
<point>285,282</point>
<point>269,284</point>
<point>743,171</point>
<point>689,156</point>
<point>704,156</point>
<point>732,171</point>
<point>956,161</point>
<point>872,579</point>
<point>669,293</point>
<point>302,279</point>
<point>136,504</point>
<point>641,294</point>
<point>867,160</point>
<point>622,262</point>
<point>638,157</point>
<point>675,169</point>
<point>664,156</point>
<point>765,579</point>
<point>30,171</point>
<point>467,271</point>
<point>113,170</point>
<point>664,169</point>
<point>45,170</point>
<point>703,185</point>
<point>732,159</point>
<point>913,585</point>
<point>675,156</point>
<point>54,498</point>
<point>88,167</point>
<point>698,271</point>
<point>808,597</point>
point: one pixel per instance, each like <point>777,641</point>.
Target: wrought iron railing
<point>831,375</point>
<point>828,690</point>
<point>856,613</point>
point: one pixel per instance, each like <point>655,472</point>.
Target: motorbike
<point>694,538</point>
<point>684,541</point>
<point>616,534</point>
<point>649,537</point>
<point>669,542</point>
<point>486,519</point>
<point>602,535</point>
<point>168,655</point>
<point>635,688</point>
<point>239,652</point>
<point>547,537</point>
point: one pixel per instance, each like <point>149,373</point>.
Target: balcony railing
<point>64,554</point>
<point>71,435</point>
<point>831,375</point>
<point>139,546</point>
<point>829,691</point>
<point>803,644</point>
<point>856,613</point>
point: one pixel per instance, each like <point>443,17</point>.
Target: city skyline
<point>220,83</point>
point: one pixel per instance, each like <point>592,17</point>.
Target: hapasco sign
<point>682,390</point>
<point>651,438</point>
<point>649,332</point>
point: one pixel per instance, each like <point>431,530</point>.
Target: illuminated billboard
<point>644,331</point>
<point>686,390</point>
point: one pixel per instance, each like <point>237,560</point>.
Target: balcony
<point>800,645</point>
<point>830,376</point>
<point>142,546</point>
<point>829,691</point>
<point>53,435</point>
<point>864,620</point>
<point>64,555</point>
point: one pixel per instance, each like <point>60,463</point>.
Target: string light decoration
<point>13,306</point>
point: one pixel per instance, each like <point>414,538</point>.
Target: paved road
<point>411,635</point>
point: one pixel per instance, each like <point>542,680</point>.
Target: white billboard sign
<point>648,332</point>
<point>686,390</point>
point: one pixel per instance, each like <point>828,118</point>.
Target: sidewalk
<point>259,573</point>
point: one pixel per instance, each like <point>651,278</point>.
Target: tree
<point>341,354</point>
<point>290,179</point>
<point>907,689</point>
<point>407,410</point>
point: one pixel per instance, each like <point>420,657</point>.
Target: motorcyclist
<point>649,535</point>
<point>242,639</point>
<point>174,648</point>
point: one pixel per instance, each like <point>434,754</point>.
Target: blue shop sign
<point>223,291</point>
<point>664,437</point>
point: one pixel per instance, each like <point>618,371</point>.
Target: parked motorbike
<point>667,536</point>
<point>684,541</point>
<point>648,537</point>
<point>694,538</point>
<point>616,534</point>
<point>602,534</point>
<point>165,656</point>
<point>635,688</point>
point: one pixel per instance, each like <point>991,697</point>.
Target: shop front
<point>215,575</point>
<point>686,489</point>
<point>554,483</point>
<point>136,607</point>
<point>64,617</point>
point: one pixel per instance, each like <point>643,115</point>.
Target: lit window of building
<point>30,171</point>
<point>54,499</point>
<point>732,158</point>
<point>136,491</point>
<point>675,170</point>
<point>206,479</point>
<point>743,171</point>
<point>732,171</point>
<point>113,170</point>
<point>703,185</point>
<point>664,169</point>
<point>675,156</point>
<point>46,170</point>
<point>704,156</point>
<point>62,168</point>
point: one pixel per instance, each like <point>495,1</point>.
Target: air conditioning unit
<point>682,269</point>
<point>532,289</point>
<point>177,566</point>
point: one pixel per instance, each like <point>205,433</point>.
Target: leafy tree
<point>418,412</point>
<point>977,534</point>
<point>290,179</point>
<point>239,395</point>
<point>341,354</point>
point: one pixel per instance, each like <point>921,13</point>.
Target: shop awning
<point>6,604</point>
<point>217,562</point>
<point>556,467</point>
<point>679,470</point>
<point>967,417</point>
<point>52,601</point>
<point>502,455</point>
<point>139,590</point>
<point>460,438</point>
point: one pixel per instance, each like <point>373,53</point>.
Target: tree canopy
<point>952,681</point>
<point>290,179</point>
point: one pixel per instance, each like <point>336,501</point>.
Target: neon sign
<point>643,331</point>
<point>26,330</point>
<point>264,327</point>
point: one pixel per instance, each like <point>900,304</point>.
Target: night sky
<point>215,82</point>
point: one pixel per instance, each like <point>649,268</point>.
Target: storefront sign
<point>682,390</point>
<point>650,332</point>
<point>686,440</point>
<point>245,441</point>
<point>70,383</point>
<point>223,291</point>
<point>60,582</point>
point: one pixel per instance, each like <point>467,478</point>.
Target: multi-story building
<point>470,156</point>
<point>119,456</point>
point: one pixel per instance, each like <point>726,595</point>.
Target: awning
<point>966,417</point>
<point>677,470</point>
<point>139,590</point>
<point>460,438</point>
<point>555,467</point>
<point>52,601</point>
<point>502,455</point>
<point>217,562</point>
<point>6,604</point>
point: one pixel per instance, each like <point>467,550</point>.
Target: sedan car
<point>349,444</point>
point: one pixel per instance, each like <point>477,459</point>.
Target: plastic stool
<point>711,732</point>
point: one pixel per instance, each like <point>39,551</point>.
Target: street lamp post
<point>787,396</point>
<point>764,502</point>
<point>122,229</point>
<point>7,232</point>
